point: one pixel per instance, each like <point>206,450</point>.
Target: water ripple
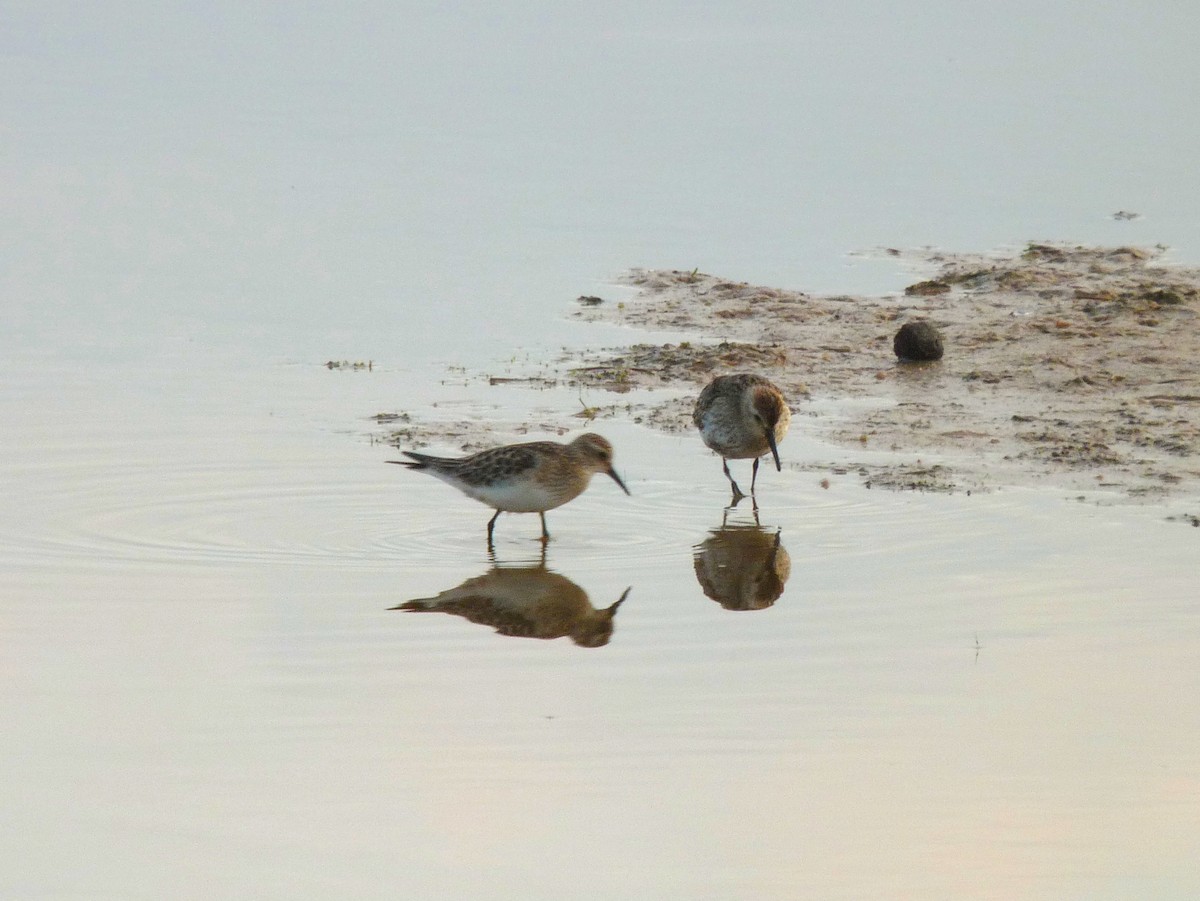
<point>331,514</point>
<point>201,514</point>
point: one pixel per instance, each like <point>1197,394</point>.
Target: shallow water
<point>981,696</point>
<point>206,691</point>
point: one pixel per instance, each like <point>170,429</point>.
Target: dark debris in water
<point>909,477</point>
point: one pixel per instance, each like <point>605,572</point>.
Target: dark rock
<point>918,341</point>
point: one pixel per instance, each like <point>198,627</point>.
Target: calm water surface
<point>932,696</point>
<point>205,690</point>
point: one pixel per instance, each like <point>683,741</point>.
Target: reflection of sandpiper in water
<point>523,478</point>
<point>526,602</point>
<point>742,567</point>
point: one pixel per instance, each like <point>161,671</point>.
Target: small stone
<point>918,340</point>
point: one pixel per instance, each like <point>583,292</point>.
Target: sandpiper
<point>741,416</point>
<point>523,478</point>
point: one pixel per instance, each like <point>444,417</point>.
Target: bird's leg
<point>491,528</point>
<point>737,492</point>
<point>753,475</point>
<point>545,532</point>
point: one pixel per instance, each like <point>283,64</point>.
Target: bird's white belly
<point>517,496</point>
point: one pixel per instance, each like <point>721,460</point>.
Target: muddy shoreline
<point>1069,366</point>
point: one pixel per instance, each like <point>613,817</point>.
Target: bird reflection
<point>742,567</point>
<point>525,602</point>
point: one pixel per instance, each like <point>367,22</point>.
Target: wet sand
<point>1064,365</point>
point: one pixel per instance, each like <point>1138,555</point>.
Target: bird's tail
<point>418,461</point>
<point>416,605</point>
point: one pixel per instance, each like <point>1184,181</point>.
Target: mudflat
<point>1065,365</point>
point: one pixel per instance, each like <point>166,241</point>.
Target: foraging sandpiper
<point>523,478</point>
<point>741,416</point>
